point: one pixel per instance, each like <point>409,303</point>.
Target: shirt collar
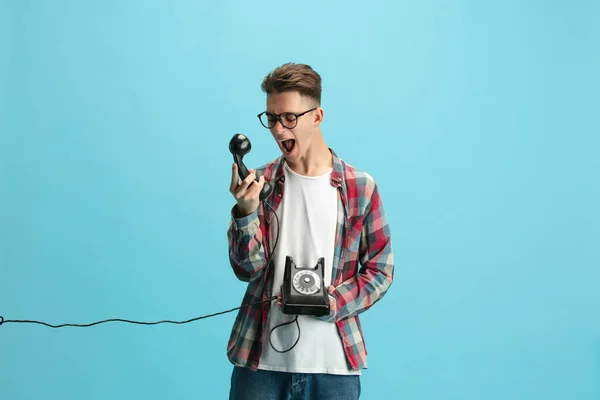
<point>337,174</point>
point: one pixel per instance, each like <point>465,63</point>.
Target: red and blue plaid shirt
<point>362,236</point>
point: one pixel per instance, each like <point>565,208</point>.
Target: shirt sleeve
<point>375,276</point>
<point>246,251</point>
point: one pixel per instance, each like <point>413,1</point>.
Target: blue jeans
<point>272,385</point>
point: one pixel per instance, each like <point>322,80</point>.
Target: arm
<point>370,284</point>
<point>246,252</point>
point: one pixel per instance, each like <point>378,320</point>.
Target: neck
<point>317,159</point>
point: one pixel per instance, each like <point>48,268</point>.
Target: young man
<point>324,208</point>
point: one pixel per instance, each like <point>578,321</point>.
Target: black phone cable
<point>296,317</point>
<point>23,321</point>
<point>270,253</point>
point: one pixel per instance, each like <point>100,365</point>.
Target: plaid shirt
<point>362,235</point>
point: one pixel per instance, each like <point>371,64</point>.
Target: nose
<point>278,127</point>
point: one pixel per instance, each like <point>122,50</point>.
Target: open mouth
<point>288,144</point>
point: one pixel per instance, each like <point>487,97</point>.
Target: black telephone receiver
<point>239,146</point>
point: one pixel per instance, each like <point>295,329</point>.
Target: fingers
<point>242,188</point>
<point>234,177</point>
<point>246,187</point>
<point>256,189</point>
<point>249,188</point>
<point>330,290</point>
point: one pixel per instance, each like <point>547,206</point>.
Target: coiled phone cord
<point>270,263</point>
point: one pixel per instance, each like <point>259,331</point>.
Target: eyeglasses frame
<point>278,117</point>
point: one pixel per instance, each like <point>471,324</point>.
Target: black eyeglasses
<point>287,119</point>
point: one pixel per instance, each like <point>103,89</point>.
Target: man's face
<point>294,136</point>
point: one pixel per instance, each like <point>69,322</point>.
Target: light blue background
<point>478,121</point>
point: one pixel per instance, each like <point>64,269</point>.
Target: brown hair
<point>291,77</point>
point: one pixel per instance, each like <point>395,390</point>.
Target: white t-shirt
<point>307,221</point>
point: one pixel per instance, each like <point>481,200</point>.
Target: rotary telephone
<point>303,291</point>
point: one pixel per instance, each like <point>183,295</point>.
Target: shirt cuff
<point>332,311</point>
<point>243,223</point>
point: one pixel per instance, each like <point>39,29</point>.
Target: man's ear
<point>319,114</point>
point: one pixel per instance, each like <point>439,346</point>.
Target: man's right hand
<point>246,192</point>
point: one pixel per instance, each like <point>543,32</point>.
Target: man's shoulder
<point>361,188</point>
<point>358,178</point>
